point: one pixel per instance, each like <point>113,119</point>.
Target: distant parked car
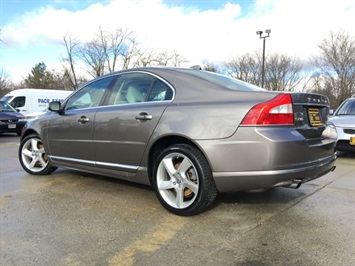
<point>344,121</point>
<point>187,132</point>
<point>10,119</point>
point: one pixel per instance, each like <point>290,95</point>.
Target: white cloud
<point>215,35</point>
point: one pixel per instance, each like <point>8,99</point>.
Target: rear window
<point>222,80</point>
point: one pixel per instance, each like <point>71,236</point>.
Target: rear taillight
<point>277,111</point>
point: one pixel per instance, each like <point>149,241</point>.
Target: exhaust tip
<point>296,183</point>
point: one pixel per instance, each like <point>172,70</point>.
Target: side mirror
<point>331,111</point>
<point>54,107</point>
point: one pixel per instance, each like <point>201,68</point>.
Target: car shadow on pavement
<point>345,154</point>
<point>102,178</point>
<point>270,196</point>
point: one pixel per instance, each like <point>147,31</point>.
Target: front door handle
<point>83,120</point>
<point>144,116</point>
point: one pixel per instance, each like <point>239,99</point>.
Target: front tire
<point>33,157</point>
<point>182,180</point>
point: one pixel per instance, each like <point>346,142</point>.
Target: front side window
<point>89,96</point>
<point>18,102</point>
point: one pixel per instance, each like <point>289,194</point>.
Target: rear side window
<point>138,87</point>
<point>160,92</point>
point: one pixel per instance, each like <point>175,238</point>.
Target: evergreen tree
<point>40,78</point>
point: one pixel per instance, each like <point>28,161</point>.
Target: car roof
<point>198,85</point>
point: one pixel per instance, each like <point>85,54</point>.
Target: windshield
<point>347,108</point>
<point>4,107</point>
<point>6,99</point>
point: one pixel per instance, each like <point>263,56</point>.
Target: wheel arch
<point>30,152</point>
<point>29,132</point>
<point>161,144</point>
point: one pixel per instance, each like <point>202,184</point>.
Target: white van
<point>28,101</point>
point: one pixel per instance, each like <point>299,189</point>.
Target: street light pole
<point>260,33</point>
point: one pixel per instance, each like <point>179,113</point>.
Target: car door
<point>70,133</point>
<point>123,128</point>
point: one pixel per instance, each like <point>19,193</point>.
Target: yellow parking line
<point>150,242</point>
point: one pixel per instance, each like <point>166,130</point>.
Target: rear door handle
<point>83,120</point>
<point>144,116</point>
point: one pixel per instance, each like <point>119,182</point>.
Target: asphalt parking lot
<point>73,218</point>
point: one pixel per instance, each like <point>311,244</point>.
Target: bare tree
<point>335,67</point>
<point>146,58</point>
<point>63,80</point>
<point>106,51</point>
<point>320,84</point>
<point>173,59</point>
<point>211,67</point>
<point>5,83</point>
<point>93,55</point>
<point>245,67</point>
<point>151,57</point>
<point>4,80</point>
<point>115,45</point>
<point>110,51</point>
<point>130,54</point>
<point>281,71</point>
<point>71,45</point>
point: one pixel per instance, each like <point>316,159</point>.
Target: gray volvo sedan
<point>188,133</point>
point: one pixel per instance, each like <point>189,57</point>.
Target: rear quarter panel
<point>214,119</point>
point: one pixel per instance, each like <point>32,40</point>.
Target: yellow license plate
<point>314,117</point>
<point>352,140</point>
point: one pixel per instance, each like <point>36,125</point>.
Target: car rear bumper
<point>260,158</point>
<point>251,180</point>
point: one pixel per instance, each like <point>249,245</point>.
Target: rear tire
<point>182,180</point>
<point>33,157</point>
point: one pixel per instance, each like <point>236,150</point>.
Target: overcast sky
<point>211,30</point>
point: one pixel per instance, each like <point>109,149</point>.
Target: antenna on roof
<point>198,67</point>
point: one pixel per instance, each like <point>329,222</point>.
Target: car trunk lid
<point>311,112</point>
